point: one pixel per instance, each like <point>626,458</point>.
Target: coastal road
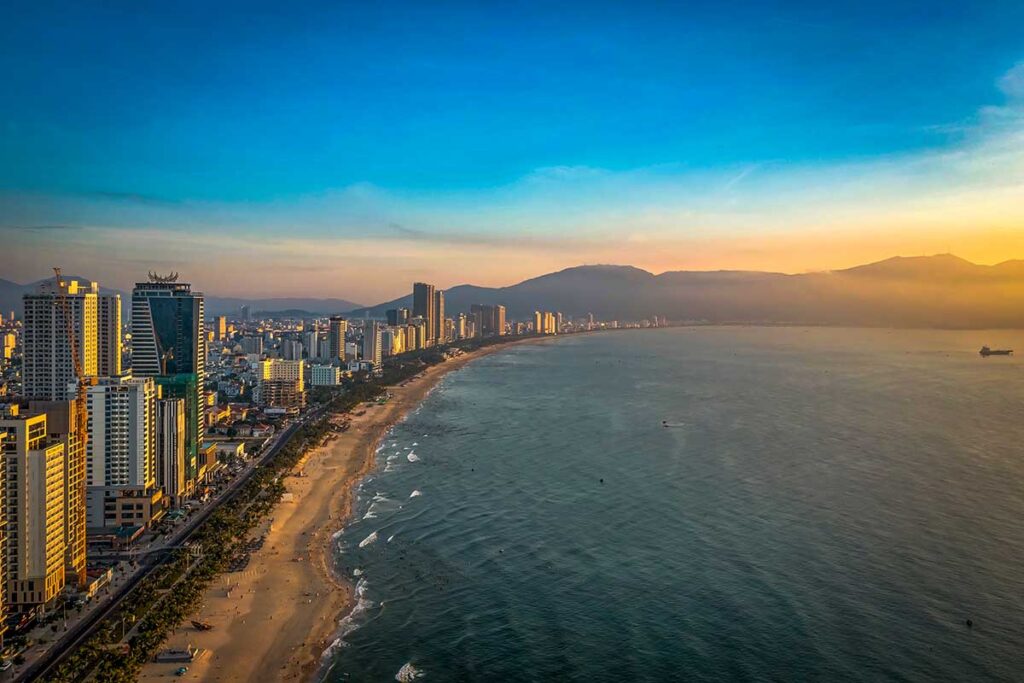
<point>81,631</point>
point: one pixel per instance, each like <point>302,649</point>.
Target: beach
<point>275,619</point>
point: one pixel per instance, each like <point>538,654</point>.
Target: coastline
<point>277,618</point>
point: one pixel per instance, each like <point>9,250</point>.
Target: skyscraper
<point>490,320</point>
<point>336,337</point>
<point>49,370</point>
<point>169,343</point>
<point>423,306</point>
<point>3,537</point>
<point>220,329</point>
<point>108,343</point>
<point>372,344</point>
<point>121,451</point>
<point>170,448</point>
<point>311,343</point>
<point>34,510</point>
<point>439,330</point>
<point>62,425</point>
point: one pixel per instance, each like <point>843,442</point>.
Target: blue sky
<point>555,125</point>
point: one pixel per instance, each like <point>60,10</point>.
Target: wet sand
<point>275,619</point>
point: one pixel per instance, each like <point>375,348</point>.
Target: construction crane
<point>78,423</point>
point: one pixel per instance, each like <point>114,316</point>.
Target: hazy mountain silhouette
<point>933,291</point>
<point>927,291</point>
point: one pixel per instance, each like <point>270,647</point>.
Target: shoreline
<point>279,616</point>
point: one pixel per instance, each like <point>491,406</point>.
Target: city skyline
<point>508,147</point>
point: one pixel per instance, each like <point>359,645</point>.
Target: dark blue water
<point>826,505</point>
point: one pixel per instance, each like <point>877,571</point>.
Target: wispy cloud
<point>968,193</point>
<point>35,228</point>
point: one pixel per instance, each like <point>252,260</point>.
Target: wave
<point>415,494</point>
<point>349,624</point>
<point>408,672</point>
<point>413,457</point>
<point>372,538</point>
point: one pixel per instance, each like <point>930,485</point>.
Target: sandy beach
<point>274,620</point>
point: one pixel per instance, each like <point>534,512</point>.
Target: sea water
<point>733,503</point>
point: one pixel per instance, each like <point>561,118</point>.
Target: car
<point>7,664</point>
<point>181,671</point>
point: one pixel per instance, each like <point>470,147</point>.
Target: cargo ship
<point>986,351</point>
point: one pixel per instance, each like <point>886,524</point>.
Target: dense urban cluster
<point>113,435</point>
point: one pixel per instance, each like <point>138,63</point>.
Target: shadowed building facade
<point>169,344</point>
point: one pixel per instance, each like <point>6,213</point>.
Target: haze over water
<point>827,504</point>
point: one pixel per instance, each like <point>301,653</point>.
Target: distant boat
<point>986,351</point>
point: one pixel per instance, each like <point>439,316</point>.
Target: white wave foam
<point>413,457</point>
<point>349,623</point>
<point>407,673</point>
<point>390,538</point>
<point>416,443</point>
<point>357,572</point>
<point>415,494</point>
<point>372,538</point>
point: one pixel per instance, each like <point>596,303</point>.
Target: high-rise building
<point>336,337</point>
<point>291,349</point>
<point>423,306</point>
<point>246,313</point>
<point>372,344</point>
<point>311,343</point>
<point>4,608</point>
<point>489,320</point>
<point>498,320</point>
<point>49,370</point>
<point>220,328</point>
<point>252,345</point>
<point>62,425</point>
<point>416,334</point>
<point>169,344</point>
<point>8,342</point>
<point>549,323</point>
<point>460,326</point>
<point>108,343</point>
<point>281,384</point>
<point>183,386</point>
<point>325,376</point>
<point>34,509</point>
<point>170,448</point>
<point>121,451</point>
<point>438,322</point>
<point>538,322</point>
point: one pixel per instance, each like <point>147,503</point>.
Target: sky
<point>347,149</point>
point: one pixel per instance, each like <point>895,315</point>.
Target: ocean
<point>706,504</point>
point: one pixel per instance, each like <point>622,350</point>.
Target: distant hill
<point>294,307</point>
<point>11,293</point>
<point>941,291</point>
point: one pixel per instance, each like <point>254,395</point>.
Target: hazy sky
<point>345,149</point>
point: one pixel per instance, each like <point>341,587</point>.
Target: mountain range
<point>942,291</point>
